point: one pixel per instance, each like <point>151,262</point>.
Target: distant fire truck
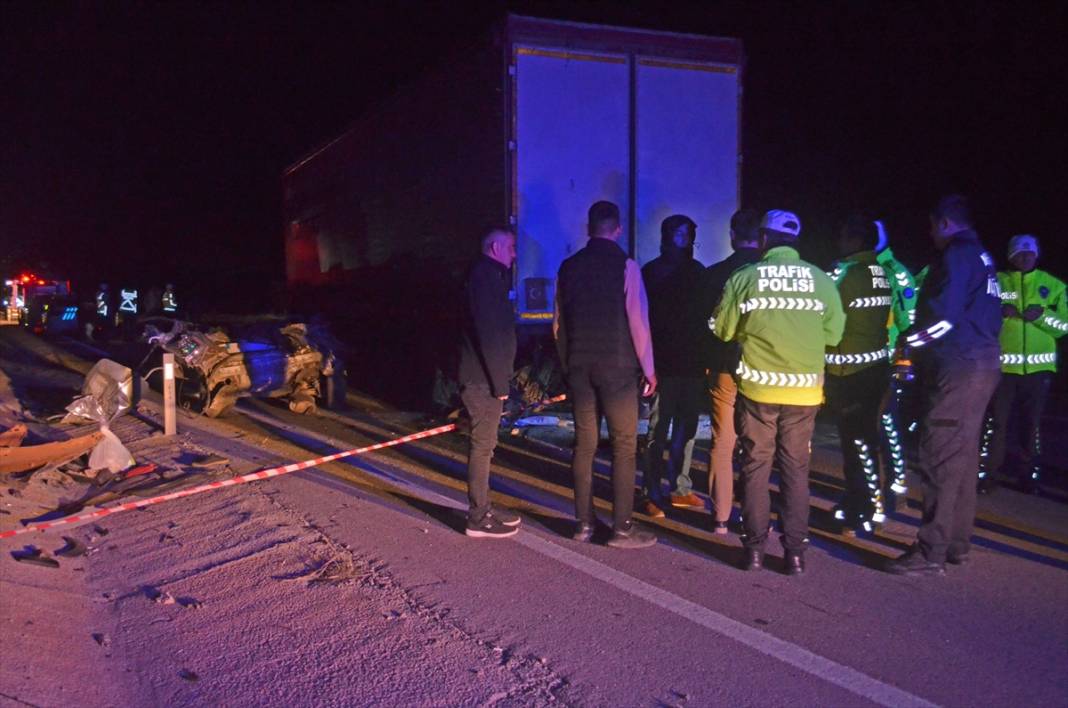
<point>45,305</point>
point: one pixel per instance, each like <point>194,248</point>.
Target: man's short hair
<point>863,229</point>
<point>745,224</point>
<point>953,207</point>
<point>492,235</point>
<point>602,218</point>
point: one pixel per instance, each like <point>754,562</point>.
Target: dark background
<point>146,141</point>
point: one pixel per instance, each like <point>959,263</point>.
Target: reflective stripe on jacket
<point>864,286</point>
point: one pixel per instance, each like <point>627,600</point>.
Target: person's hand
<point>650,386</point>
<point>1009,311</point>
<point>502,398</point>
<point>1032,313</point>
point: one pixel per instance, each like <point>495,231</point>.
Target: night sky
<point>147,140</point>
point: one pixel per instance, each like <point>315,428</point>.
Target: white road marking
<point>842,676</point>
<point>831,671</point>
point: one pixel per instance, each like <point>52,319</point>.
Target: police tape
<point>251,477</point>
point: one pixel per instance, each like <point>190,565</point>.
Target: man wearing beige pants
<point>722,362</point>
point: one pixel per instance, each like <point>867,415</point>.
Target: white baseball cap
<point>1023,243</point>
<point>782,221</point>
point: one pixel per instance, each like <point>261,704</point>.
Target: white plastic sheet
<point>107,394</point>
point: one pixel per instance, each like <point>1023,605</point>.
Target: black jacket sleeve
<point>942,302</point>
<point>493,325</point>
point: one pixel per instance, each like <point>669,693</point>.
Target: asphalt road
<point>678,624</point>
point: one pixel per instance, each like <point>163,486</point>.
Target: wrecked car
<point>214,369</point>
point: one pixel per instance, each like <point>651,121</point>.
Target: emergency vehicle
<point>45,305</point>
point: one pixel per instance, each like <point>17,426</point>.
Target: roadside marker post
<point>170,426</point>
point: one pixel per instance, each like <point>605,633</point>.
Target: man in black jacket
<point>673,283</point>
<point>487,358</point>
<point>722,363</point>
<point>958,357</point>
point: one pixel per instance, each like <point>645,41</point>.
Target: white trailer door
<point>687,152</point>
<point>572,117</point>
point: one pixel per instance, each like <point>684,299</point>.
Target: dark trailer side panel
<point>526,129</point>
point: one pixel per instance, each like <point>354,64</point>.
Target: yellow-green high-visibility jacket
<point>1030,347</point>
<point>904,289</point>
<point>783,312</point>
<point>864,286</point>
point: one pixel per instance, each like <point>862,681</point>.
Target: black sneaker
<point>489,527</point>
<point>506,516</point>
<point>913,562</point>
<point>631,536</point>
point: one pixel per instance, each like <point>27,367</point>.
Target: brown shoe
<point>649,508</point>
<point>687,501</point>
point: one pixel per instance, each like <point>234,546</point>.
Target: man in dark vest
<point>487,358</point>
<point>602,331</point>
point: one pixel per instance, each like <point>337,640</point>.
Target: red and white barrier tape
<point>251,477</point>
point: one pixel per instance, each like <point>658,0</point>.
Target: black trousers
<point>484,409</point>
<point>677,405</point>
<point>955,397</point>
<point>1019,400</point>
<point>772,432</point>
<point>856,401</point>
<point>613,392</point>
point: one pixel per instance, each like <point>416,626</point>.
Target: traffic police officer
<point>1034,314</point>
<point>955,345</point>
<point>169,300</point>
<point>904,290</point>
<point>858,372</point>
<point>105,315</point>
<point>783,312</point>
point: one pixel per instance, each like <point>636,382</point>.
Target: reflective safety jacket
<point>784,313</point>
<point>1030,347</point>
<point>903,288</point>
<point>169,301</point>
<point>864,286</point>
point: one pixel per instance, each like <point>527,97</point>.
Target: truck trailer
<point>523,130</point>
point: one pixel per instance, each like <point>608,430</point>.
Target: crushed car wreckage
<point>215,369</point>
